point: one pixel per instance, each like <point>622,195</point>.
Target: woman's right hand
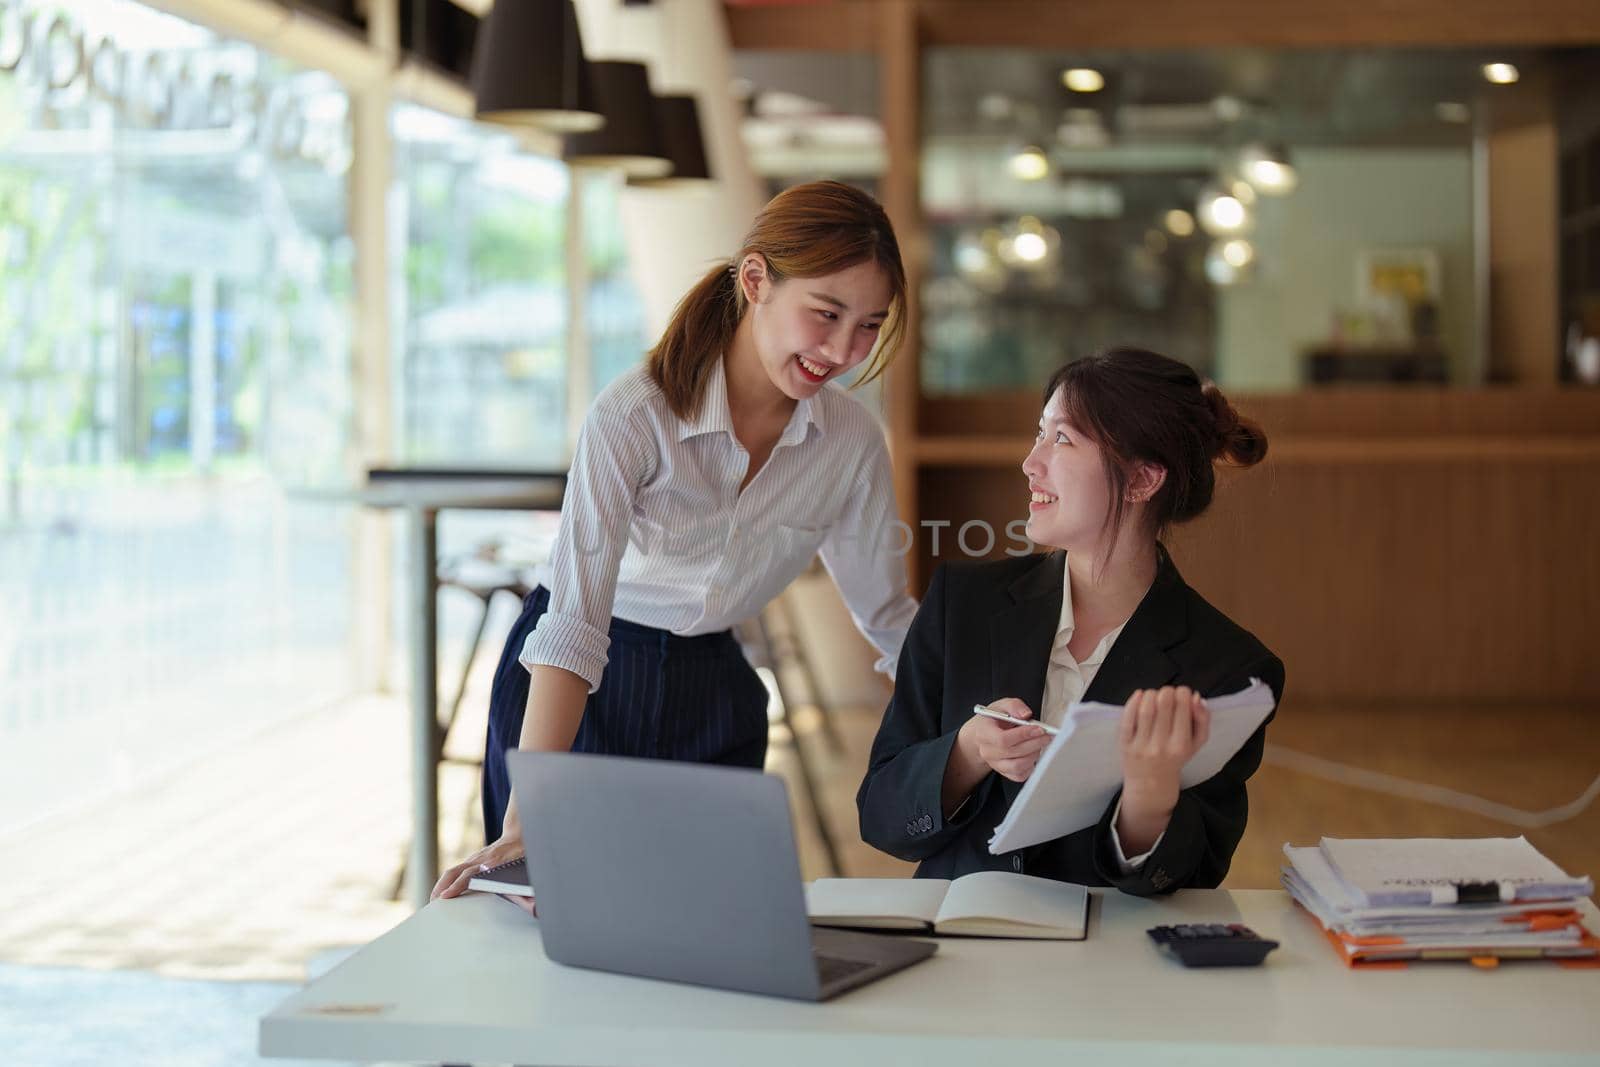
<point>507,848</point>
<point>1008,750</point>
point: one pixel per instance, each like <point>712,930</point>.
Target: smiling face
<point>1070,499</point>
<point>809,331</point>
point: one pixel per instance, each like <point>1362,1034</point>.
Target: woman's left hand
<point>1160,730</point>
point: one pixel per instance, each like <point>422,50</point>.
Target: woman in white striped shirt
<point>702,484</point>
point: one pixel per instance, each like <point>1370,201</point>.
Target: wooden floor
<point>1531,759</point>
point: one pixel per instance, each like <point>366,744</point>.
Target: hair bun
<point>1240,441</point>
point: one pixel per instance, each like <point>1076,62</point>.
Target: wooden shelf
<point>996,451</point>
<point>988,451</point>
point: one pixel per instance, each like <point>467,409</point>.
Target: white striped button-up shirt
<point>654,528</point>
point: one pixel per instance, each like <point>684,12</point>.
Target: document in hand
<point>1079,773</point>
<point>981,904</point>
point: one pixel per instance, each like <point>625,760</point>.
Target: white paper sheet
<point>1080,772</point>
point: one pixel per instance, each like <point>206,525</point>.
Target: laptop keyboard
<point>832,969</point>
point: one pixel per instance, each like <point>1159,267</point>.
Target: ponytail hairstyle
<point>1141,407</point>
<point>804,232</point>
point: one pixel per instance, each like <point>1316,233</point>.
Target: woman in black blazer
<point>1126,447</point>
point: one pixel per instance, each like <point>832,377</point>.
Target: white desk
<point>466,981</point>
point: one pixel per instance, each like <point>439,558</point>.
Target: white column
<point>675,235</point>
<point>580,372</point>
<point>371,174</point>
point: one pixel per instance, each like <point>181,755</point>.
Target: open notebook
<point>982,904</point>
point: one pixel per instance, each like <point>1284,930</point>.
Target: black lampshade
<point>528,68</point>
<point>441,33</point>
<point>678,119</point>
<point>629,140</point>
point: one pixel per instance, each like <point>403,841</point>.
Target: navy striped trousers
<point>662,697</point>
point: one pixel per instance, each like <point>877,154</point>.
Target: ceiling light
<point>1221,214</point>
<point>679,121</point>
<point>1501,73</point>
<point>529,69</point>
<point>1268,169</point>
<point>1030,164</point>
<point>1229,262</point>
<point>1029,247</point>
<point>1228,108</point>
<point>630,141</point>
<point>1218,270</point>
<point>1238,252</point>
<point>1272,177</point>
<point>1179,222</point>
<point>1083,80</point>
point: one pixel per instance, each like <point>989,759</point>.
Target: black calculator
<point>1212,944</point>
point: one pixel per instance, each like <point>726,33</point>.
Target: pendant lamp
<point>528,68</point>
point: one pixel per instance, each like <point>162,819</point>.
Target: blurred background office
<point>251,251</point>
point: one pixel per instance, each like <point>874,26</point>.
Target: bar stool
<point>482,581</point>
<point>772,640</point>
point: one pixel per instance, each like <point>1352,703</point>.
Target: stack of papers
<point>1482,899</point>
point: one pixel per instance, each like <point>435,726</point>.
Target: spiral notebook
<point>510,878</point>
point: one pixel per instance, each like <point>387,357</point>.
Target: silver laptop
<point>681,871</point>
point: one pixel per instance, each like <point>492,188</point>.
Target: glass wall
<point>177,384</point>
<point>175,339</point>
<point>1276,219</point>
<point>480,365</point>
<point>615,314</point>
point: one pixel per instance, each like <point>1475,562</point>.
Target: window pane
<point>481,365</point>
<point>174,353</point>
<point>1275,219</point>
<point>615,313</point>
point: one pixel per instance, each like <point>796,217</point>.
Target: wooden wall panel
<point>1453,581</point>
<point>900,92</point>
<point>1524,224</point>
<point>1257,23</point>
<point>1434,565</point>
<point>1351,412</point>
<point>846,25</point>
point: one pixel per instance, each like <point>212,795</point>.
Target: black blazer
<point>984,631</point>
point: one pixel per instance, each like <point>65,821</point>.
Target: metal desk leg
<point>423,869</point>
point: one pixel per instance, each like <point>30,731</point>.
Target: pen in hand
<point>988,712</point>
